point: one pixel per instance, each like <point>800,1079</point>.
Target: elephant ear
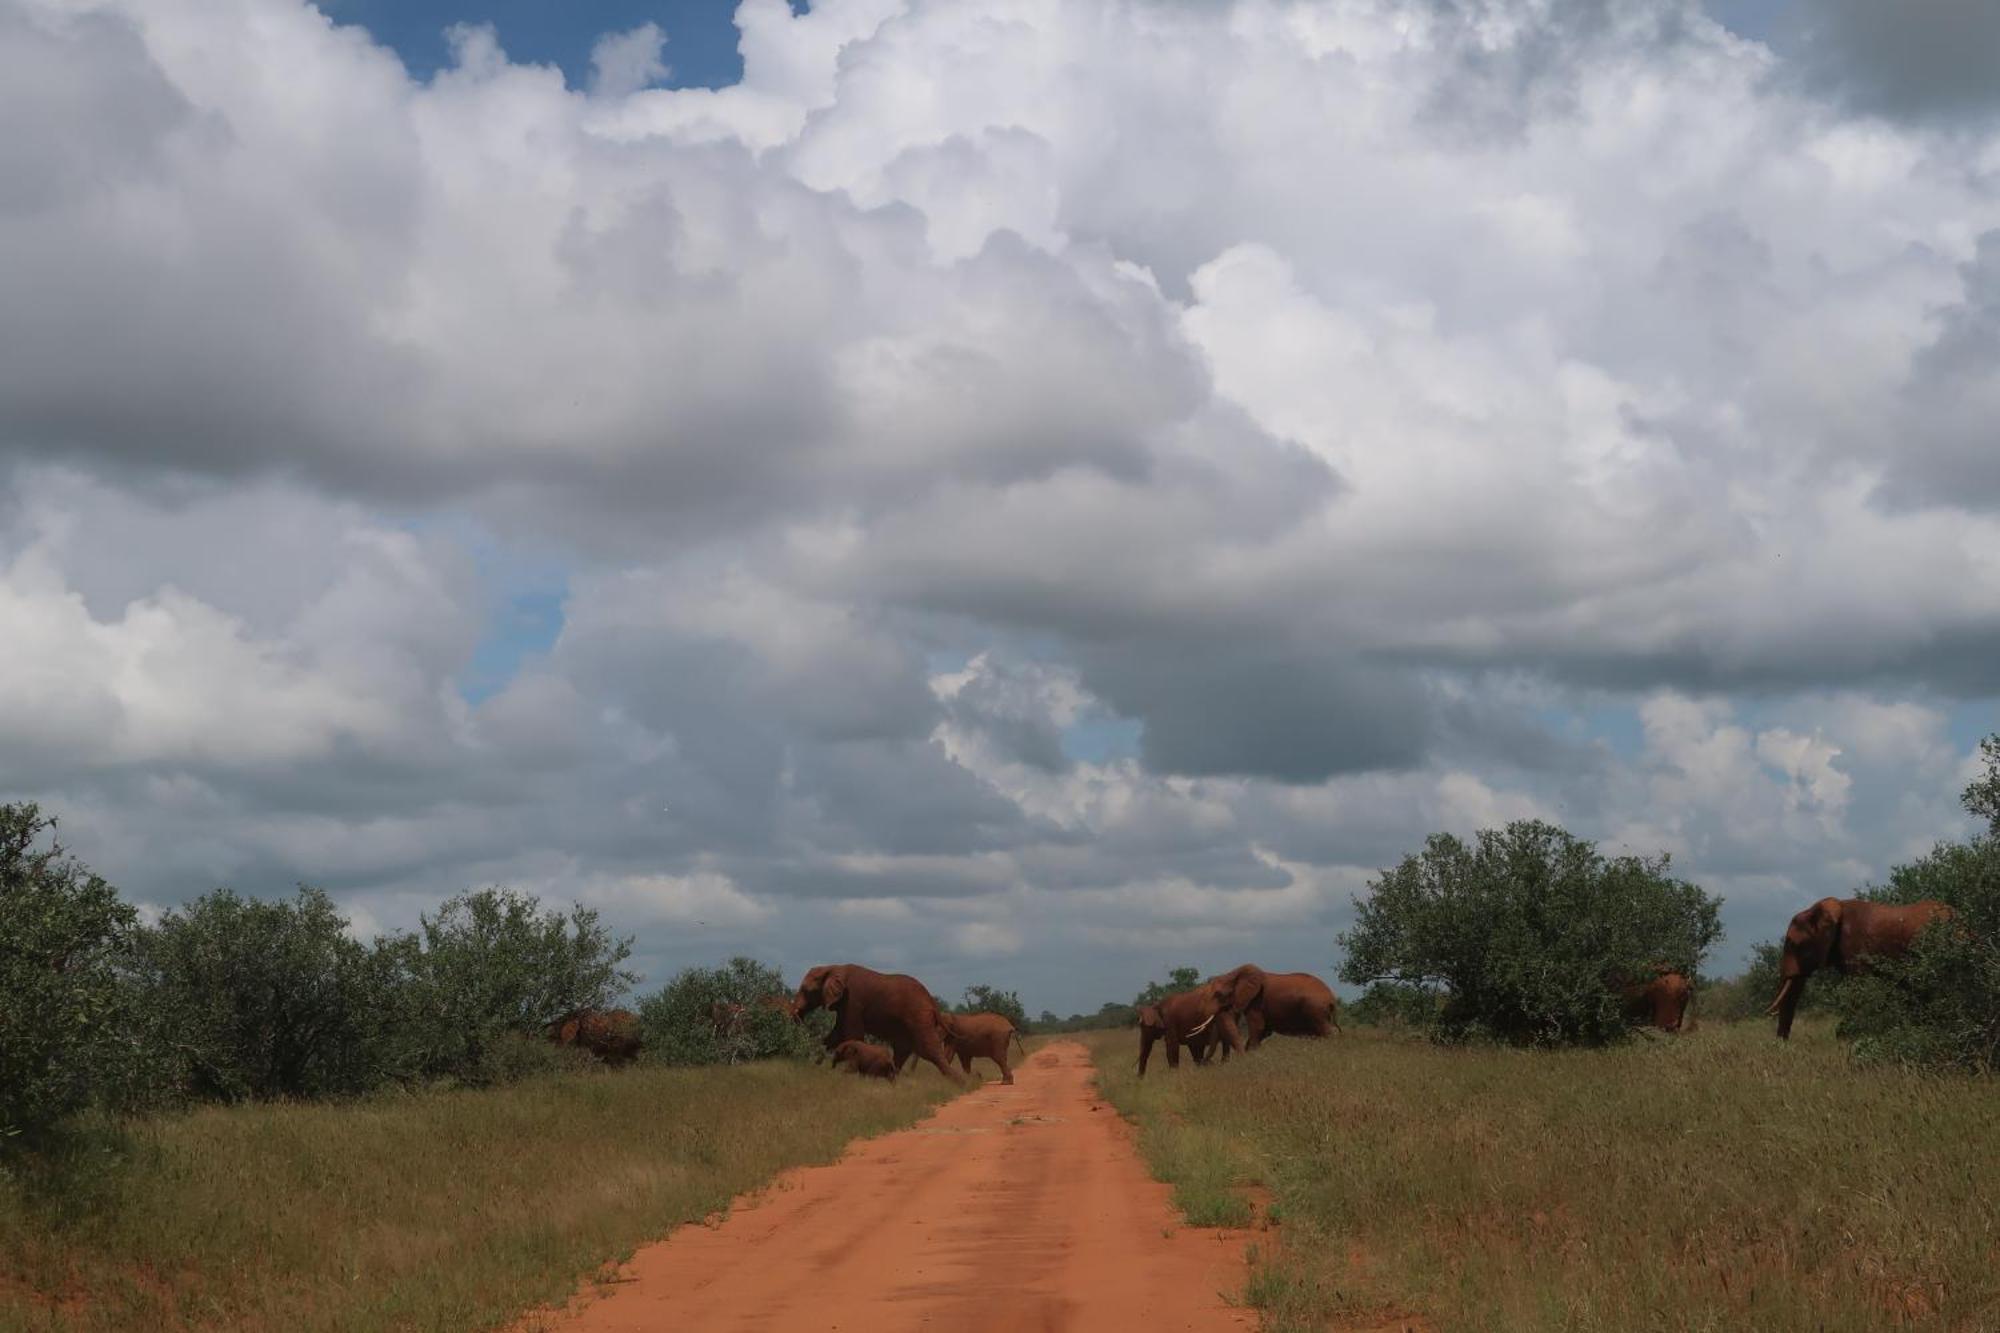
<point>1243,986</point>
<point>833,989</point>
<point>1828,922</point>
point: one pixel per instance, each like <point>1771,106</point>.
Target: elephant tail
<point>1015,1033</point>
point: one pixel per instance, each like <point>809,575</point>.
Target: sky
<point>1021,493</point>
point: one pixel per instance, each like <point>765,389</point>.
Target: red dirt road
<point>1010,1209</point>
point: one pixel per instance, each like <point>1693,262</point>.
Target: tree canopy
<point>1529,930</point>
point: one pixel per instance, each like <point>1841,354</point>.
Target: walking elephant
<point>1661,1002</point>
<point>1201,1043</point>
<point>866,1003</point>
<point>1285,1004</point>
<point>612,1035</point>
<point>1845,934</point>
<point>980,1036</point>
<point>1179,1020</point>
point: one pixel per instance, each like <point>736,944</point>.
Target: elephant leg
<point>1146,1039</point>
<point>1254,1020</point>
<point>1173,1050</point>
<point>931,1047</point>
<point>1006,1074</point>
<point>965,1061</point>
<point>1232,1037</point>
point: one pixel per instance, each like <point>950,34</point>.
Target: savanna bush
<point>993,1000</point>
<point>489,967</point>
<point>71,1034</point>
<point>1938,1007</point>
<point>1396,1004</point>
<point>1527,930</point>
<point>678,1021</point>
<point>271,999</point>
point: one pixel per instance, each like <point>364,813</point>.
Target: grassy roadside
<point>1719,1182</point>
<point>447,1210</point>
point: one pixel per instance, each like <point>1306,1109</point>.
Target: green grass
<point>448,1210</point>
<point>1722,1181</point>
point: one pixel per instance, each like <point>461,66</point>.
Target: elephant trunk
<point>1786,1004</point>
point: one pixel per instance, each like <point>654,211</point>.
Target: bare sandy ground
<point>1022,1209</point>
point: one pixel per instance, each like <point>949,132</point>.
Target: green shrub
<point>1527,929</point>
<point>71,1036</point>
<point>1396,1004</point>
<point>993,1000</point>
<point>271,999</point>
<point>1939,1007</point>
<point>490,966</point>
<point>679,1020</point>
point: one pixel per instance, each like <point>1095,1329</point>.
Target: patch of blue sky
<point>1102,738</point>
<point>522,591</point>
<point>524,625</point>
<point>1616,725</point>
<point>701,34</point>
<point>1971,721</point>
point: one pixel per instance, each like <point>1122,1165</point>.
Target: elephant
<point>973,1036</point>
<point>1201,1043</point>
<point>1845,934</point>
<point>866,1003</point>
<point>612,1035</point>
<point>868,1061</point>
<point>1286,1004</point>
<point>1183,1017</point>
<point>1661,1002</point>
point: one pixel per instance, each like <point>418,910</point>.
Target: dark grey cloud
<point>1246,710</point>
<point>1922,60</point>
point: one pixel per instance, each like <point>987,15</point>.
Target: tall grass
<point>1720,1181</point>
<point>447,1210</point>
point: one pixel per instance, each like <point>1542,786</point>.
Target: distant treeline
<point>1524,935</point>
<point>231,998</point>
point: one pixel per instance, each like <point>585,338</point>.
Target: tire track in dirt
<point>1022,1208</point>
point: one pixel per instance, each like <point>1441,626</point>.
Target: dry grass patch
<point>1722,1181</point>
<point>445,1210</point>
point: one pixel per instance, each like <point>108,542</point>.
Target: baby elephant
<point>868,1061</point>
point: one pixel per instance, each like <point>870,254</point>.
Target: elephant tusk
<point>1196,1030</point>
<point>1784,989</point>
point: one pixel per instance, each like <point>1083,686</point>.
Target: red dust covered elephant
<point>1193,1018</point>
<point>1660,1002</point>
<point>1846,934</point>
<point>980,1036</point>
<point>612,1035</point>
<point>1283,1004</point>
<point>889,1005</point>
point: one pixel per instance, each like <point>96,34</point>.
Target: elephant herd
<point>901,1011</point>
<point>1845,934</point>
